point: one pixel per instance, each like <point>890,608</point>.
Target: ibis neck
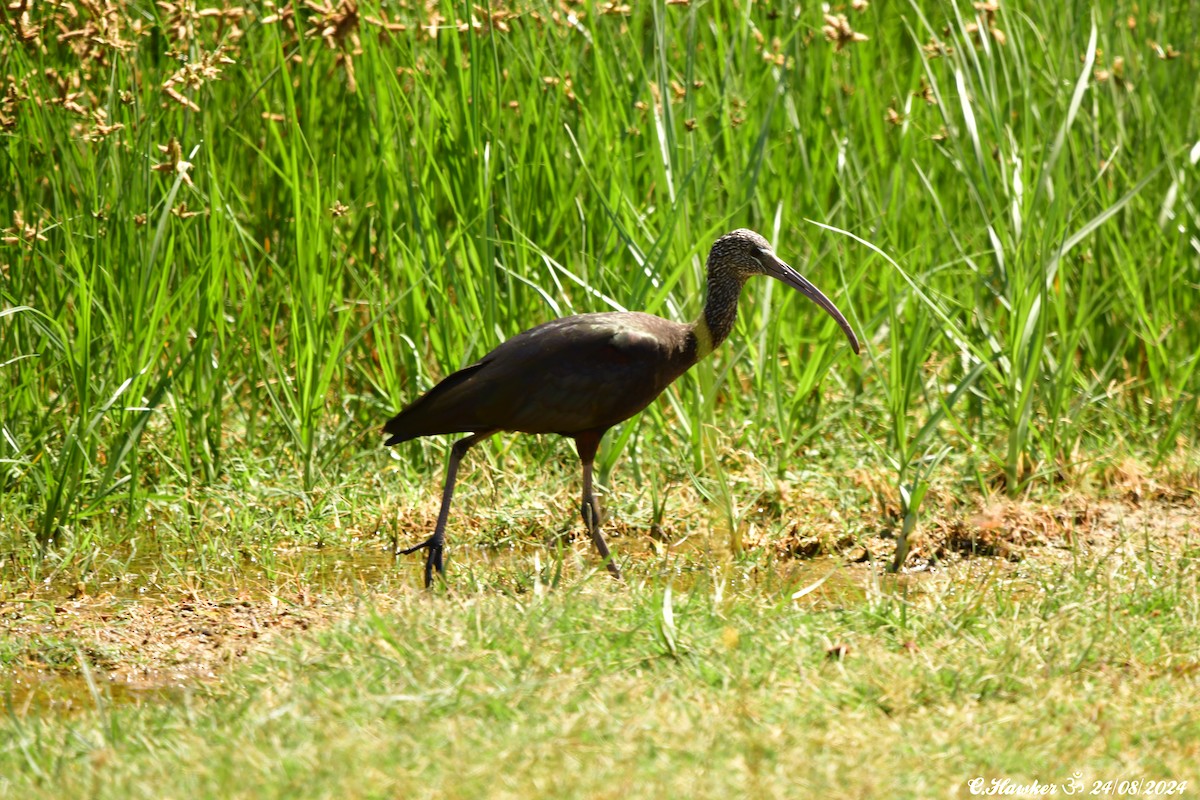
<point>720,313</point>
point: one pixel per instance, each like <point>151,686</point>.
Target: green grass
<point>233,244</point>
<point>715,688</point>
<point>1032,308</point>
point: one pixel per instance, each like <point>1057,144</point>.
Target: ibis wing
<point>433,412</point>
<point>590,374</point>
<point>575,374</point>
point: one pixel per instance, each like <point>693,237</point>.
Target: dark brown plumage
<point>579,376</point>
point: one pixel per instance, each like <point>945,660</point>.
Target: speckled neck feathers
<point>720,310</point>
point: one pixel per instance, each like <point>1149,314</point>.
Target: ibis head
<point>736,257</point>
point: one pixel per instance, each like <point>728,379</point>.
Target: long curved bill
<point>781,271</point>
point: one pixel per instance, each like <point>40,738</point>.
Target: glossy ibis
<point>581,375</point>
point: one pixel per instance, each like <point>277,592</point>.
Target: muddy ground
<point>65,643</point>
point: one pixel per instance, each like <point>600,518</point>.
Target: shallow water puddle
<point>149,637</point>
<point>33,691</point>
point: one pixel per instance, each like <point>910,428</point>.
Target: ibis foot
<point>591,515</point>
<point>435,545</point>
<point>586,445</point>
<point>614,570</point>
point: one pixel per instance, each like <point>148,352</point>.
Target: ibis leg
<point>587,446</point>
<point>436,544</point>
